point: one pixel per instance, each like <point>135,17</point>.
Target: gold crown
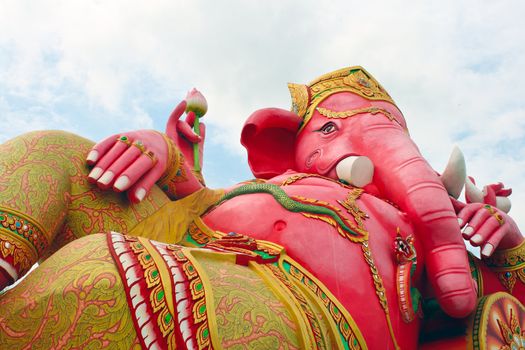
<point>357,80</point>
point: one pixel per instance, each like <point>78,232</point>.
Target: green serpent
<point>288,203</point>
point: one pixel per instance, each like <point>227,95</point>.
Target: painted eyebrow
<point>325,124</point>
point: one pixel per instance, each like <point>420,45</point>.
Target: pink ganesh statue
<point>346,239</point>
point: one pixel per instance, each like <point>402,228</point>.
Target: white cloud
<point>32,117</point>
<point>454,68</point>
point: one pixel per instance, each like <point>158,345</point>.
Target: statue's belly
<point>335,260</point>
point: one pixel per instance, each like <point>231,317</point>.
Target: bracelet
<point>174,172</point>
<point>507,259</point>
<point>509,265</point>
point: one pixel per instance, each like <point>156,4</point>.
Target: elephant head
<point>348,114</point>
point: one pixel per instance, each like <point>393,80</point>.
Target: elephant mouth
<point>328,169</point>
<point>353,169</point>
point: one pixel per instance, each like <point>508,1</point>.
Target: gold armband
<point>509,264</point>
<point>174,172</point>
<point>508,259</point>
<point>21,237</point>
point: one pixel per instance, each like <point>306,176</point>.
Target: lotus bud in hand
<point>196,103</point>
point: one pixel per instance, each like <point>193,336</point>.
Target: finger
<point>171,126</point>
<point>490,195</point>
<point>475,222</point>
<point>129,156</point>
<point>133,173</point>
<point>185,130</point>
<point>116,151</point>
<point>202,128</point>
<point>190,118</point>
<point>458,205</point>
<point>100,149</point>
<point>484,232</point>
<point>494,240</point>
<point>466,213</point>
<point>139,190</point>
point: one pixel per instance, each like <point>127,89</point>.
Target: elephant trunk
<point>404,176</point>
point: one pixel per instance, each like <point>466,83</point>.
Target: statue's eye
<point>328,128</point>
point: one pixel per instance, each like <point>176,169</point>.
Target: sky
<point>97,68</point>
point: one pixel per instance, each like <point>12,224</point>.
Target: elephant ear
<point>269,137</point>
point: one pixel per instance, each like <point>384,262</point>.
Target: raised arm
<point>486,223</point>
<point>134,161</point>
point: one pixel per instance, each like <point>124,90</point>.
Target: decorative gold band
<point>508,259</point>
<point>139,145</point>
<point>21,238</point>
<point>174,172</point>
<point>124,139</point>
<point>353,112</point>
<point>151,156</point>
<point>25,227</point>
<point>495,214</point>
<point>509,265</point>
<point>23,254</point>
<point>172,163</point>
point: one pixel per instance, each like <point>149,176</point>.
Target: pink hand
<point>181,132</point>
<point>124,164</point>
<point>131,161</point>
<point>488,227</point>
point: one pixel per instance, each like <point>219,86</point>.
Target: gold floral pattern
<point>509,265</point>
<point>44,184</point>
<point>248,313</point>
<point>497,323</point>
<point>72,300</point>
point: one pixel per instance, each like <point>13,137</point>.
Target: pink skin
<point>491,192</point>
<point>483,230</point>
<point>336,261</point>
<point>401,175</point>
<point>123,167</point>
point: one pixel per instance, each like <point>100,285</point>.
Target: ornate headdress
<point>305,98</point>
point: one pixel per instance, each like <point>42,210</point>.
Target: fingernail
<point>92,156</point>
<point>468,231</point>
<point>95,173</point>
<point>140,194</point>
<point>487,249</point>
<point>122,183</point>
<point>106,178</point>
<point>460,221</point>
<point>476,238</point>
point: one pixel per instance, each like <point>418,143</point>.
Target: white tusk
<point>455,173</point>
<point>356,170</point>
<point>503,203</point>
<point>473,193</point>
